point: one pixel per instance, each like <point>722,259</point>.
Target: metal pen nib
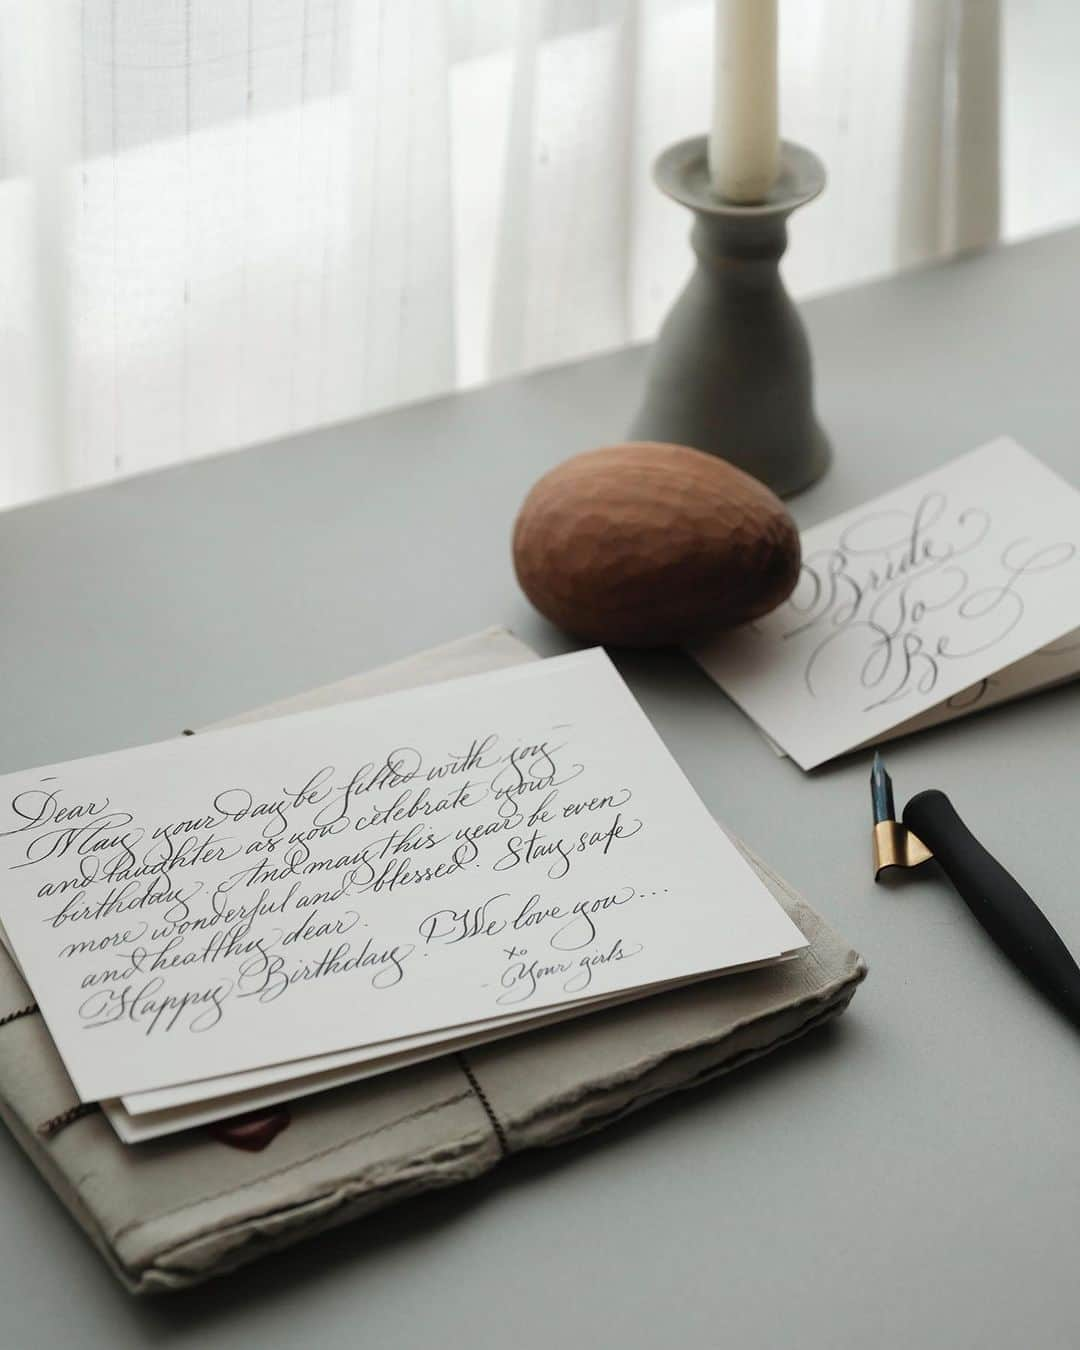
<point>881,791</point>
<point>894,844</point>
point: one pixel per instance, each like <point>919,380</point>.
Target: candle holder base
<point>730,372</point>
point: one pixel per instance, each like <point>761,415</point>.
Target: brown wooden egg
<point>644,544</point>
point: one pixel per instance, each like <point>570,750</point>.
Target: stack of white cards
<point>957,591</point>
<point>214,924</point>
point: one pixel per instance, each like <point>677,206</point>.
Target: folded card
<point>955,591</point>
<point>437,859</point>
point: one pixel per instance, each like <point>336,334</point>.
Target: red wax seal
<point>253,1130</point>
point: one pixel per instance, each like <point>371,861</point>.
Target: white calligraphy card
<point>1054,664</point>
<point>411,863</point>
<point>1057,663</point>
<point>961,587</point>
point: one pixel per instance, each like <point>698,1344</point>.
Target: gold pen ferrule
<point>896,846</point>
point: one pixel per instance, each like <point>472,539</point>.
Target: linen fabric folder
<point>177,1211</point>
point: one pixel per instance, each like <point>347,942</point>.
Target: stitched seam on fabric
<point>830,1008</point>
<point>482,1098</point>
<point>829,1012</point>
<point>136,1224</point>
<point>19,1012</point>
<point>828,997</point>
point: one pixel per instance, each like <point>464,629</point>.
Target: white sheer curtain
<point>224,220</point>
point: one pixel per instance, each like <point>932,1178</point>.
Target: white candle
<point>744,146</point>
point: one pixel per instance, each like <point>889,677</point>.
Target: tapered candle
<point>744,146</point>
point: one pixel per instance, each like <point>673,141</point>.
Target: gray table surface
<point>910,1178</point>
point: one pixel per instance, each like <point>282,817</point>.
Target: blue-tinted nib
<point>881,791</point>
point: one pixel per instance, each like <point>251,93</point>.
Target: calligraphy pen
<point>932,829</point>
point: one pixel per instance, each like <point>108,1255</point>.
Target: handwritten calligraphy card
<point>960,589</point>
<point>366,876</point>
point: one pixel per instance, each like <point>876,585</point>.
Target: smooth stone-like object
<point>645,544</point>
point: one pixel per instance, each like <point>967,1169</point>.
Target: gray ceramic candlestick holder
<point>730,372</point>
